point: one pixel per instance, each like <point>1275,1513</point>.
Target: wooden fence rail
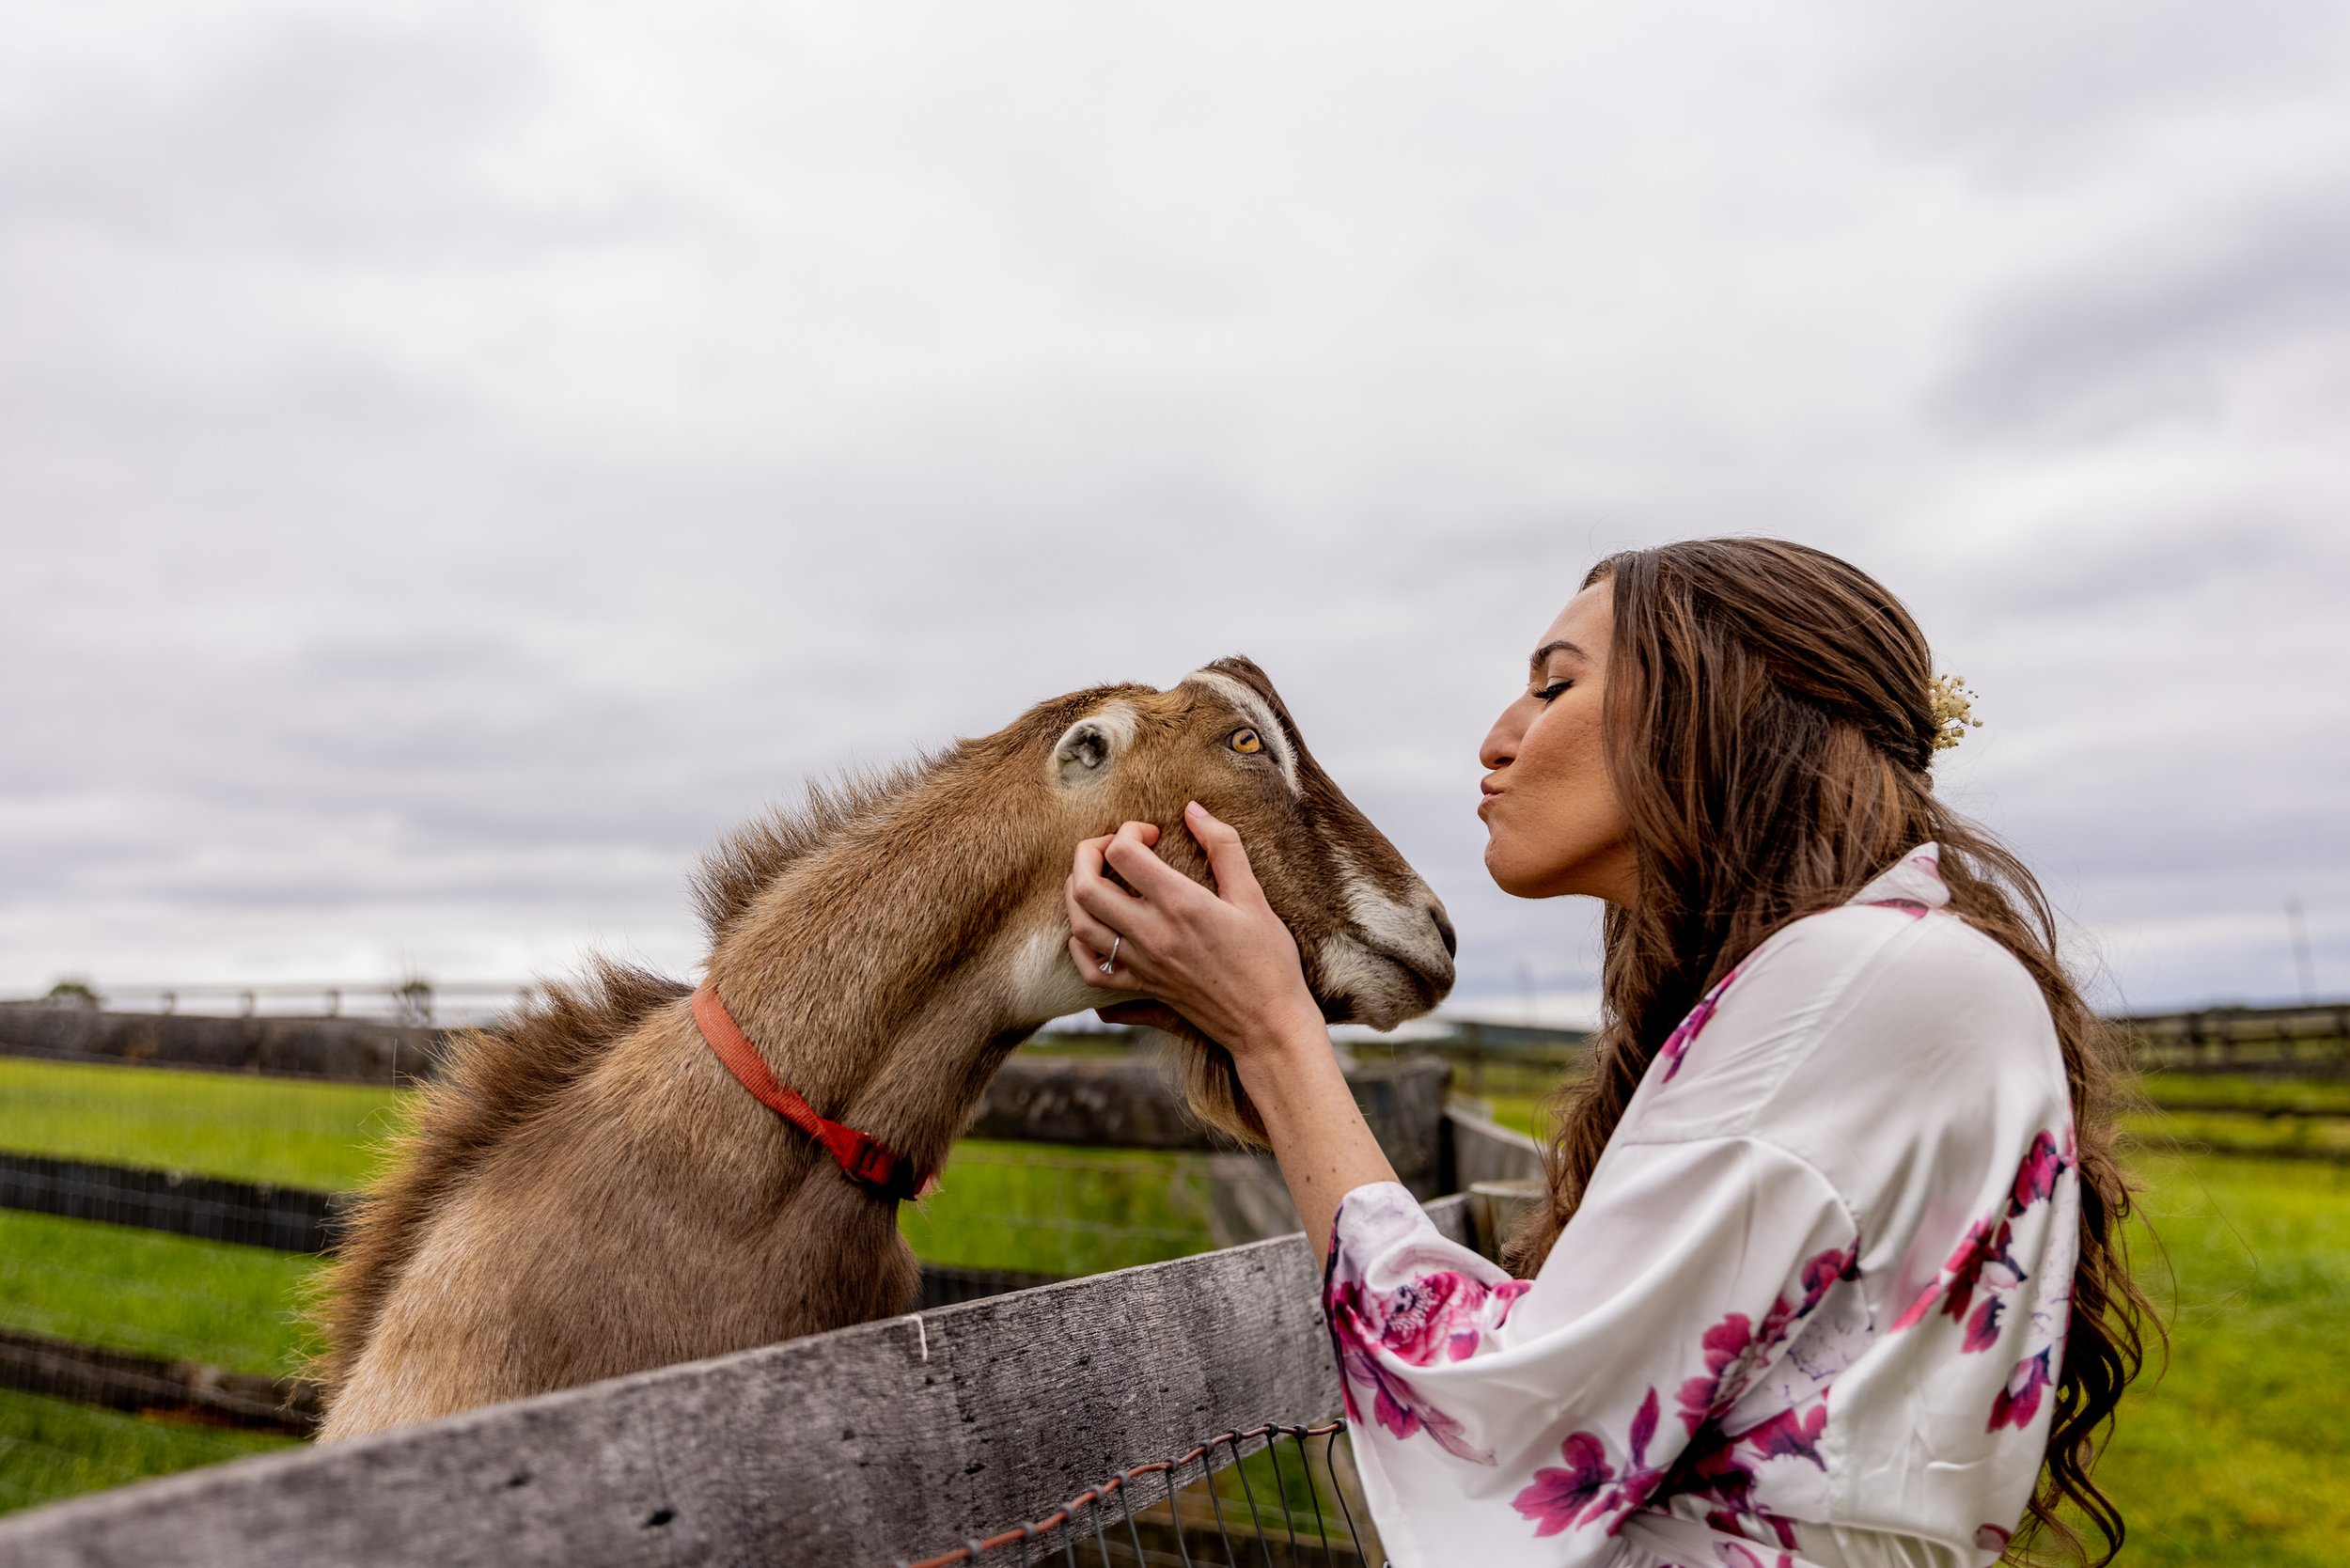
<point>853,1448</point>
<point>2299,1041</point>
<point>285,1220</point>
<point>150,1385</point>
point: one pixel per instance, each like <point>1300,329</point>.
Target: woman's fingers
<point>1129,853</point>
<point>1228,857</point>
<point>1159,915</point>
<point>1089,857</point>
<point>1091,934</point>
<point>1106,923</point>
<point>1112,905</point>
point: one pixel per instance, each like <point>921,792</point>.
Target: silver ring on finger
<point>1109,965</point>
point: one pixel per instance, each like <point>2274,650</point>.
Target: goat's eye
<point>1247,742</point>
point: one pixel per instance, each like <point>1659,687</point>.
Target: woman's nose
<point>1501,745</point>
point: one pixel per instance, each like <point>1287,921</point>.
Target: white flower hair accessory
<point>1954,706</point>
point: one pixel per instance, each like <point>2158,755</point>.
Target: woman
<point>1831,1268</point>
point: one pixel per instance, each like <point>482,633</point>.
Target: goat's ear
<point>1083,752</point>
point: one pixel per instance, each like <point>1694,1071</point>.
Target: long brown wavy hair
<point>1769,729</point>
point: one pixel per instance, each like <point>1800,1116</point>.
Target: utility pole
<point>2301,950</point>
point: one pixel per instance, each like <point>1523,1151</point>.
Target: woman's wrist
<point>1326,1148</point>
<point>1288,1038</point>
<point>1292,1075</point>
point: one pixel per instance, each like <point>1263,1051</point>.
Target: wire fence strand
<point>1150,1516</point>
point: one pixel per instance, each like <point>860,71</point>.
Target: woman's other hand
<point>1221,959</point>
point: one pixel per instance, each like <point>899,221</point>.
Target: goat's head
<point>1376,946</point>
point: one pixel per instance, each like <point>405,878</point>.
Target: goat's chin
<point>1212,1090</point>
<point>1361,985</point>
<point>1357,986</point>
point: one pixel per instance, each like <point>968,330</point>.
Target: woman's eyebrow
<point>1559,646</point>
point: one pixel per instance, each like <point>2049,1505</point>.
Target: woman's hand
<point>1226,963</point>
<point>1222,958</point>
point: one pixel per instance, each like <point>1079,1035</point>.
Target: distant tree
<point>75,993</point>
<point>413,1000</point>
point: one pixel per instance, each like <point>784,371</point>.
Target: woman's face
<point>1553,821</point>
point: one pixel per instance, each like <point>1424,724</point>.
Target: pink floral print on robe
<point>1811,1308</point>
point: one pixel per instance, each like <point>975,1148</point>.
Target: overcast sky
<point>455,460</point>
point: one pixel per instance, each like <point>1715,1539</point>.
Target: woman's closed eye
<point>1550,693</point>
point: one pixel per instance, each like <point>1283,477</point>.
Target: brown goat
<point>587,1191</point>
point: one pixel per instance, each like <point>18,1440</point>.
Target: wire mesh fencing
<point>1271,1496</point>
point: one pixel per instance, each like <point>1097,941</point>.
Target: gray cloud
<point>351,138</point>
<point>452,468</point>
<point>2158,328</point>
<point>2023,92</point>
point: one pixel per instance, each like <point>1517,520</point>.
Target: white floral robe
<point>1809,1313</point>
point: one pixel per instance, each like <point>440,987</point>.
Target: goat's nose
<point>1444,933</point>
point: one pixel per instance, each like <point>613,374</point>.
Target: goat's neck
<point>886,980</point>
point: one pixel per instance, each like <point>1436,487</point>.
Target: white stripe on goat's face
<point>1388,955</point>
<point>1260,718</point>
<point>1359,964</point>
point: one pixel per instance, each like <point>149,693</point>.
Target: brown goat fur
<point>586,1191</point>
<point>493,1079</point>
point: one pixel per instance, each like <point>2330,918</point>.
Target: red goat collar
<point>867,1161</point>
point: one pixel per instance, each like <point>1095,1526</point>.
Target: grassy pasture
<point>52,1448</point>
<point>278,1131</point>
<point>1061,1211</point>
<point>2240,1454</point>
<point>172,1296</point>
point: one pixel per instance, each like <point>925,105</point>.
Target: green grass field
<point>2241,1454</point>
<point>253,1129</point>
<point>1057,1212</point>
<point>1064,1211</point>
<point>172,1296</point>
<point>52,1449</point>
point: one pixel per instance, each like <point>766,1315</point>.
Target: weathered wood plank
<point>885,1441</point>
<point>1483,1150</point>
